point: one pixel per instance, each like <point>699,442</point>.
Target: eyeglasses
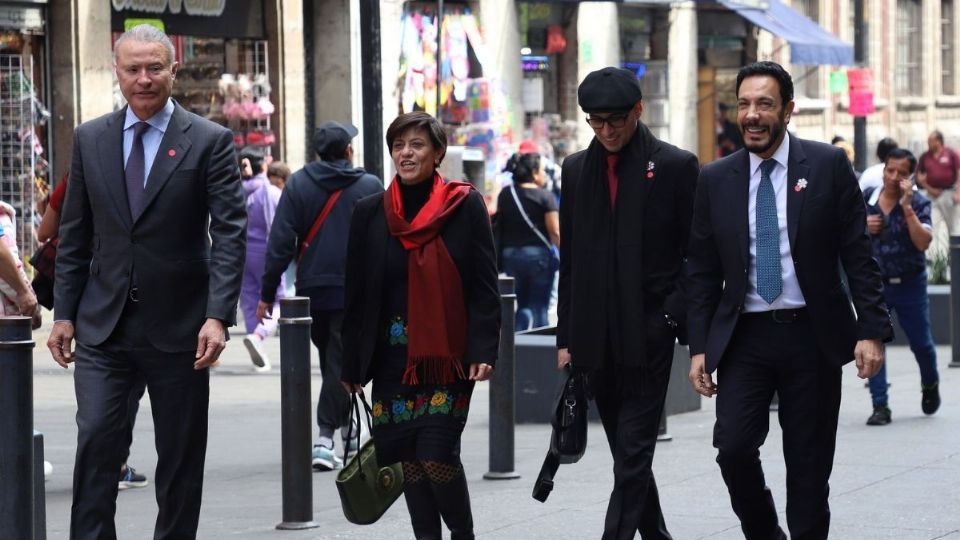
<point>616,121</point>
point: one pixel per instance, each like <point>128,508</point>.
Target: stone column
<point>596,49</point>
<point>682,75</point>
<point>501,32</point>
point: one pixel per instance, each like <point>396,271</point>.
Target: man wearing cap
<point>334,180</point>
<point>768,310</point>
<point>625,212</point>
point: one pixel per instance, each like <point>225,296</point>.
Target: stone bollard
<point>502,400</point>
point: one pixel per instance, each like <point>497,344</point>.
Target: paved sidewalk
<point>900,481</point>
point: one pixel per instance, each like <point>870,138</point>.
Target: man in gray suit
<point>148,275</point>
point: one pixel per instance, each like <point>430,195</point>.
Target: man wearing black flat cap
<point>625,213</point>
<point>320,197</point>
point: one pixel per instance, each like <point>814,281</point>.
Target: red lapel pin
<point>171,152</point>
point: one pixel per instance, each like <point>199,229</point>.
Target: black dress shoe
<point>880,416</point>
<point>931,398</point>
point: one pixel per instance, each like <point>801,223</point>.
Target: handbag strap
<point>327,207</point>
<point>526,218</point>
<point>356,398</point>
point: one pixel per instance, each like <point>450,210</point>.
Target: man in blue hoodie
<point>320,265</point>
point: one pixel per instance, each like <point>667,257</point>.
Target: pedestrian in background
<point>422,320</point>
<point>625,216</point>
<point>328,188</point>
<point>527,231</point>
<point>938,173</point>
<point>899,223</point>
<point>872,176</point>
<point>768,309</point>
<point>262,200</point>
<point>278,172</point>
<point>149,268</point>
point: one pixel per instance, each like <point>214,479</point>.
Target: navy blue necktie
<point>135,171</point>
<point>769,281</point>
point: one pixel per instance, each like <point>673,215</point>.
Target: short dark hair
<point>524,167</point>
<point>278,168</point>
<point>884,147</point>
<point>937,134</point>
<point>255,155</point>
<point>770,69</point>
<point>836,139</point>
<point>418,120</point>
<point>902,153</point>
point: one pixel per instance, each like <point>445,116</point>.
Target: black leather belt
<point>779,316</point>
<point>134,294</point>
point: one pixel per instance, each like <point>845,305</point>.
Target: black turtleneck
<point>414,197</point>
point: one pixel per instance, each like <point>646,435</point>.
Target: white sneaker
<point>254,345</point>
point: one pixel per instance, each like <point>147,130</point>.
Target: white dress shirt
<point>872,177</point>
<point>791,297</point>
<point>151,137</point>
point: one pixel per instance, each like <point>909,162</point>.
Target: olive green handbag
<point>366,489</point>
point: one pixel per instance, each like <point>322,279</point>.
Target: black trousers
<point>764,357</point>
<point>133,407</point>
<point>631,420</point>
<point>333,404</point>
<point>179,395</point>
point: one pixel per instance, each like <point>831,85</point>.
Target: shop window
<point>807,78</point>
<point>947,37</point>
<point>908,78</point>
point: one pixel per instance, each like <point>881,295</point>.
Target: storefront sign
<point>534,64</point>
<point>28,19</point>
<point>838,82</point>
<point>201,18</point>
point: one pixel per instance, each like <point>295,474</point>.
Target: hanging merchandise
<point>556,41</point>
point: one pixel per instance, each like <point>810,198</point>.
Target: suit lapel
<point>173,148</point>
<point>110,150</point>
<point>740,193</point>
<point>797,169</point>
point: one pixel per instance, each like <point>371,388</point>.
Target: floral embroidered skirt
<point>420,422</point>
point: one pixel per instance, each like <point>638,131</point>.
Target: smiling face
<point>145,72</point>
<point>616,128</point>
<point>762,115</point>
<point>414,156</point>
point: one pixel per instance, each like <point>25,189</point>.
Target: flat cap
<point>333,137</point>
<point>609,89</point>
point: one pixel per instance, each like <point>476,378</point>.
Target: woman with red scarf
<point>422,320</point>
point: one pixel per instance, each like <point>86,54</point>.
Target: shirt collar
<point>781,156</point>
<point>159,121</point>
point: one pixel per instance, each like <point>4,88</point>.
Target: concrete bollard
<point>955,300</point>
<point>502,401</point>
<point>16,428</point>
<point>296,422</point>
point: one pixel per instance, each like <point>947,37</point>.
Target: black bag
<point>43,261</point>
<point>568,442</point>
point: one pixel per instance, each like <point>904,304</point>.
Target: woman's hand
<point>480,372</point>
<point>352,388</point>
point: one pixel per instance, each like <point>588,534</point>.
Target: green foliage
<point>939,268</point>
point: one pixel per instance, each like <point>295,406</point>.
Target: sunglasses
<point>615,121</point>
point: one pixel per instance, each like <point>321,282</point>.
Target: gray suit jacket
<point>185,250</point>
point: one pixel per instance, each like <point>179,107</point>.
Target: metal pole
<point>295,418</point>
<point>439,51</point>
<point>860,57</point>
<point>372,87</point>
<point>39,490</point>
<point>955,300</point>
<point>502,387</point>
<point>16,428</point>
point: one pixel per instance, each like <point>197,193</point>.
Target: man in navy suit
<point>768,309</point>
<point>149,267</point>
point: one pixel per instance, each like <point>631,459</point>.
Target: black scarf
<point>608,284</point>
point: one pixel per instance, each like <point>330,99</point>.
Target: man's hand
<point>701,380</point>
<point>264,310</point>
<point>59,342</point>
<point>906,192</point>
<point>874,224</point>
<point>352,388</point>
<point>563,358</point>
<point>480,372</point>
<point>211,341</point>
<point>869,356</point>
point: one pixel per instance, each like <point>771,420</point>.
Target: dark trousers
<point>766,357</point>
<point>533,275</point>
<point>333,405</point>
<point>631,421</point>
<point>133,406</point>
<point>179,396</point>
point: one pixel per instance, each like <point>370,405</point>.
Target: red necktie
<point>612,177</point>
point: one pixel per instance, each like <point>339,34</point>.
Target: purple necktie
<point>135,173</point>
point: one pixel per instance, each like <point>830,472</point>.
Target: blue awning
<point>809,42</point>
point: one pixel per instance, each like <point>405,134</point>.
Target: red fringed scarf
<point>436,314</point>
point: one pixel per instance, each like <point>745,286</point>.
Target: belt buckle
<point>789,317</point>
<point>134,294</point>
<point>895,280</point>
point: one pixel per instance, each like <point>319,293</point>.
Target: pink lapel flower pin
<point>171,152</point>
<point>800,185</point>
<point>650,167</point>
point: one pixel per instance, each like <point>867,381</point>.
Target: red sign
<point>861,103</point>
<point>861,91</point>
